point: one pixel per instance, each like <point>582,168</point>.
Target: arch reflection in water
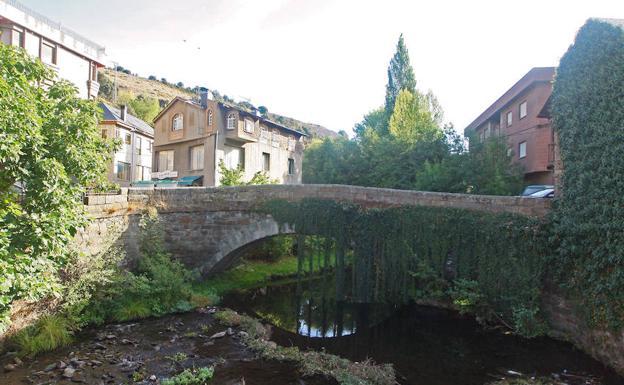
<point>313,311</point>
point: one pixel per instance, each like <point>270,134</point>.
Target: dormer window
<point>210,117</point>
<point>249,126</point>
<point>231,121</point>
<point>178,122</point>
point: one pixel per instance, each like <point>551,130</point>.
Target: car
<point>532,189</point>
<point>546,193</point>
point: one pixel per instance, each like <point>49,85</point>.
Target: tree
<point>411,119</point>
<point>400,76</point>
<point>51,149</point>
<point>145,107</point>
<point>152,77</point>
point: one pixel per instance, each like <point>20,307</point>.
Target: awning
<point>192,180</point>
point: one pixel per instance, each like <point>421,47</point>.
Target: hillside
<point>164,92</point>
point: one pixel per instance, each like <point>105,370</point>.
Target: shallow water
<point>426,345</point>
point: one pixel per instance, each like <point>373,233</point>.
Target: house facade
<point>192,138</point>
<point>72,56</point>
<point>133,160</point>
<point>520,116</point>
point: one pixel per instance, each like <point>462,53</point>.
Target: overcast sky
<point>325,61</point>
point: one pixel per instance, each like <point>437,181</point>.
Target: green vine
<point>393,251</point>
<point>588,114</point>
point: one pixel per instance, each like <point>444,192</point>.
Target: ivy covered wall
<point>588,114</point>
<point>487,263</point>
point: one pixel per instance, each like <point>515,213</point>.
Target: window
<point>197,157</point>
<point>138,173</point>
<point>147,173</point>
<point>509,118</point>
<point>128,139</point>
<point>165,160</point>
<point>48,53</point>
<point>104,133</point>
<point>523,109</point>
<point>178,122</point>
<point>234,157</point>
<point>210,117</point>
<point>122,170</point>
<point>509,152</point>
<point>231,121</point>
<point>93,72</point>
<point>17,38</point>
<point>137,145</point>
<point>522,150</point>
<point>249,126</point>
<point>266,162</point>
<point>291,166</point>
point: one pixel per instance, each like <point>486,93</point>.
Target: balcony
<point>93,88</point>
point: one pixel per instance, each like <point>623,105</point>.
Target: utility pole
<point>115,83</point>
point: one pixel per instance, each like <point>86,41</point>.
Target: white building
<point>133,161</point>
<point>72,56</point>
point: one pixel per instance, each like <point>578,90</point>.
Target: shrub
<point>199,376</point>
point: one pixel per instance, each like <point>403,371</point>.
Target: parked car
<point>547,193</point>
<point>534,188</point>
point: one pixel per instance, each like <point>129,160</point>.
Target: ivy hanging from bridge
<point>489,261</point>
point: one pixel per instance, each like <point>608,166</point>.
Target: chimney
<point>124,112</point>
<point>203,98</point>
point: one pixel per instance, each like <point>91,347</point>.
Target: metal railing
<point>53,24</point>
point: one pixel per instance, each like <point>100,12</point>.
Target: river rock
<point>218,335</point>
<point>153,378</point>
<point>229,331</point>
<point>17,361</point>
<point>271,344</point>
<point>243,334</point>
<point>69,372</point>
<point>9,367</point>
<point>50,367</point>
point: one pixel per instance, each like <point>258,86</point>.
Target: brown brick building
<point>520,115</point>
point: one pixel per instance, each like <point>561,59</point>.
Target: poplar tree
<point>400,76</point>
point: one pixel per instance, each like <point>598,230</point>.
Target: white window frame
<point>231,121</point>
<point>124,165</point>
<point>52,46</point>
<point>522,150</point>
<point>166,160</point>
<point>522,113</point>
<point>509,118</point>
<point>177,123</point>
<point>249,126</point>
<point>196,155</point>
<point>137,144</point>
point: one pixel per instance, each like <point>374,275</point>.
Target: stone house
<point>191,138</point>
<point>520,116</point>
<point>133,160</point>
<point>72,56</point>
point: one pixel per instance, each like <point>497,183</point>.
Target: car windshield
<point>529,190</point>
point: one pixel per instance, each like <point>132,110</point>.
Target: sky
<point>325,61</point>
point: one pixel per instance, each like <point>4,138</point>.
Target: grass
<point>311,362</point>
<point>248,275</point>
<point>49,333</point>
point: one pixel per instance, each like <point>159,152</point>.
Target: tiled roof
<point>537,74</point>
<point>112,113</point>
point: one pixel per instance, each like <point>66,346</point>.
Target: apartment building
<point>191,138</point>
<point>72,56</point>
<point>133,160</point>
<point>520,115</point>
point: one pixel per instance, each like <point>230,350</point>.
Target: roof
<point>17,13</point>
<point>535,75</point>
<point>228,105</point>
<point>114,114</point>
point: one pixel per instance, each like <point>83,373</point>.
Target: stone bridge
<point>205,227</point>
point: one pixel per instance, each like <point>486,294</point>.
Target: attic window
<point>231,121</point>
<point>178,122</point>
